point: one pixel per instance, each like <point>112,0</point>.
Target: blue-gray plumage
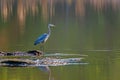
<point>44,37</point>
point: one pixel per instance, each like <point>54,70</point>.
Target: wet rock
<point>2,53</point>
<point>35,52</point>
<point>19,53</point>
<point>9,54</point>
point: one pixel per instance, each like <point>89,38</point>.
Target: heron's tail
<point>35,43</point>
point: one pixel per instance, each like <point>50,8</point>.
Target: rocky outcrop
<point>19,53</point>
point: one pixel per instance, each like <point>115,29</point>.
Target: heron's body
<point>43,38</point>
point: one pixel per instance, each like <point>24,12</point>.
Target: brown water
<point>87,27</point>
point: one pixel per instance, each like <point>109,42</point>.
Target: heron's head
<point>51,25</point>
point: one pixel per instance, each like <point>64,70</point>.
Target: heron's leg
<point>42,47</point>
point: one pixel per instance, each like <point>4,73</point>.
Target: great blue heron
<point>43,38</point>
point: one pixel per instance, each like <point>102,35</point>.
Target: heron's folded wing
<point>40,39</point>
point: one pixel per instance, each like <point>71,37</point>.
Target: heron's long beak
<point>52,25</point>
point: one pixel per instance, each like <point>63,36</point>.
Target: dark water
<point>87,27</point>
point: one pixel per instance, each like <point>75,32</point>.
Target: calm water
<point>87,27</point>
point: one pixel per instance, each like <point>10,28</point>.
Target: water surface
<point>86,27</point>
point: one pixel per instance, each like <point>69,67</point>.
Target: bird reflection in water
<point>46,69</point>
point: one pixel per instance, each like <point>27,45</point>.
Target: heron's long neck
<point>49,30</point>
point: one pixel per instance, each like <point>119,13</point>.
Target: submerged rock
<point>15,62</point>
